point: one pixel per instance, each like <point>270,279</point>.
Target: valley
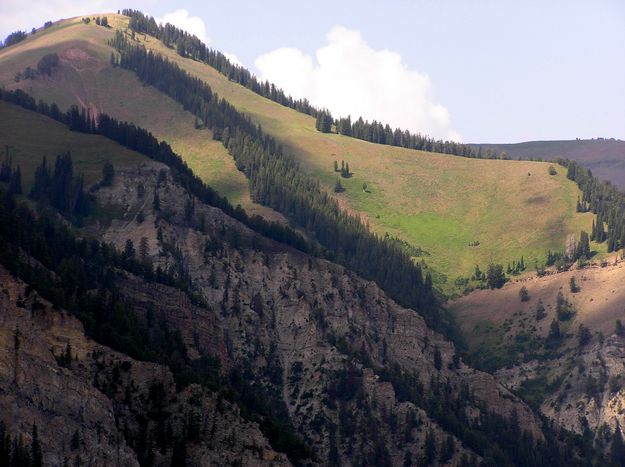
<point>189,279</point>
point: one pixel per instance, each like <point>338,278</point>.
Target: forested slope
<point>519,210</point>
<point>322,362</point>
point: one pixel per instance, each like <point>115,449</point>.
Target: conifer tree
<point>15,184</point>
<point>583,247</point>
<point>540,310</point>
<point>554,330</point>
<point>157,201</point>
<point>617,450</point>
<point>36,455</point>
<point>7,167</point>
<point>600,236</point>
<point>338,186</point>
<point>108,172</point>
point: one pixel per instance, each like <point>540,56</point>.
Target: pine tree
<point>583,247</point>
<point>524,294</point>
<point>430,447</point>
<point>36,455</point>
<point>108,172</point>
<point>600,234</point>
<point>593,232</point>
<point>438,358</point>
<point>583,335</point>
<point>6,167</point>
<point>129,250</point>
<point>15,185</point>
<point>157,201</point>
<point>540,310</point>
<point>143,249</point>
<point>554,330</point>
<point>617,451</point>
<point>338,186</point>
<point>447,449</point>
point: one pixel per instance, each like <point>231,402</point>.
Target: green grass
<point>30,136</point>
<point>86,78</point>
<point>436,202</point>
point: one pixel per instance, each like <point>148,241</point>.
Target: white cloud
<point>350,78</point>
<point>233,58</point>
<point>192,24</point>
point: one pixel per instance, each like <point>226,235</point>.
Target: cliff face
<point>93,406</point>
<point>588,388</point>
<point>578,386</point>
<point>319,341</point>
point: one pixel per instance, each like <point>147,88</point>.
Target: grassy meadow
<point>86,78</point>
<point>31,136</point>
<point>439,203</point>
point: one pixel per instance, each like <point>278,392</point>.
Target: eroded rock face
<point>578,386</point>
<point>590,389</point>
<point>96,407</point>
<point>316,337</point>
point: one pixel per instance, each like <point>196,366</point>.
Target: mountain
<point>240,328</point>
<point>427,199</point>
<point>574,377</point>
<point>149,321</point>
<point>604,156</point>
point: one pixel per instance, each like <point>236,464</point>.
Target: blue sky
<point>483,71</point>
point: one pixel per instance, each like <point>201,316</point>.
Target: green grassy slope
<point>30,136</point>
<point>437,202</point>
<point>86,78</point>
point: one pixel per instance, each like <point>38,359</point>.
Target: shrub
<point>48,63</point>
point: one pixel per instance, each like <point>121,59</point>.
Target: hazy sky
<point>481,71</point>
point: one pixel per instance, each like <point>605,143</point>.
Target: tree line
<point>15,452</point>
<point>142,141</point>
<point>9,175</point>
<point>602,199</point>
<point>276,181</point>
<point>190,46</point>
<point>18,36</point>
<point>13,38</point>
<point>59,187</point>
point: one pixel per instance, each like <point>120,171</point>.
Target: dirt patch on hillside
<point>598,304</point>
<point>78,59</point>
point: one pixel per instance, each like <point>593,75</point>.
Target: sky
<point>475,71</point>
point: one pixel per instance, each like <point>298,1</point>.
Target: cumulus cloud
<point>192,24</point>
<point>233,58</point>
<point>349,77</point>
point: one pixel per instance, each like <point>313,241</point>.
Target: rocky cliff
<point>93,406</point>
<point>355,372</point>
